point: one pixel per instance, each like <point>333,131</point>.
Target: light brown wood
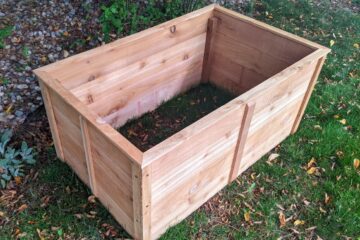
<point>52,121</point>
<point>89,95</point>
<point>88,155</point>
<point>208,54</point>
<point>243,133</point>
<point>308,94</point>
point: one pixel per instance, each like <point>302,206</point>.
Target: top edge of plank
<point>111,134</point>
<point>125,40</point>
<point>272,29</point>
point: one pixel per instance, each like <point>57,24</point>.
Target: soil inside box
<point>174,115</point>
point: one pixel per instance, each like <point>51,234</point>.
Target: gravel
<point>43,32</point>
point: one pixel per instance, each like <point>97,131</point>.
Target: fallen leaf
<point>356,45</point>
<point>282,219</point>
<point>336,116</point>
<point>2,214</point>
<point>78,215</point>
<point>343,121</point>
<point>17,180</point>
<point>299,222</point>
<point>22,208</point>
<point>39,234</point>
<point>322,210</point>
<point>327,199</point>
<point>311,171</point>
<point>356,163</point>
<point>317,127</point>
<point>247,216</point>
<point>92,199</point>
<point>311,163</point>
<point>8,110</point>
<point>332,42</point>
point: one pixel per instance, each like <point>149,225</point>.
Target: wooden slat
<point>142,202</point>
<point>52,121</point>
<point>208,54</point>
<point>243,133</point>
<point>308,94</point>
<point>88,155</point>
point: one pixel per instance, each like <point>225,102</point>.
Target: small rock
<point>66,54</point>
<point>19,113</point>
<point>2,14</point>
<point>22,86</point>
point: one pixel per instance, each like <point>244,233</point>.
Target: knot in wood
<point>173,29</point>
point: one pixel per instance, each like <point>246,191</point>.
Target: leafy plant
<point>123,17</point>
<point>12,161</point>
<point>5,32</point>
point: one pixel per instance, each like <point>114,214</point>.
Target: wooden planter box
<point>89,95</point>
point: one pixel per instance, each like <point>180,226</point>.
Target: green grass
<point>265,189</point>
<point>4,33</point>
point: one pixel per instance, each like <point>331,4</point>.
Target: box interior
<point>132,77</point>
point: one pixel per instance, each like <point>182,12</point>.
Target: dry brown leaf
<point>247,216</point>
<point>92,199</point>
<point>299,222</point>
<point>311,170</point>
<point>311,163</point>
<point>22,208</point>
<point>2,214</point>
<point>282,219</point>
<point>356,163</point>
<point>17,180</point>
<point>39,234</point>
<point>343,121</point>
<point>327,199</point>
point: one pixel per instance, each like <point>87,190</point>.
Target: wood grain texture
<point>52,121</point>
<point>308,94</point>
<point>243,133</point>
<point>208,54</point>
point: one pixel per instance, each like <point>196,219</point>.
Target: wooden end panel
<point>68,125</point>
<point>112,177</point>
<point>246,55</point>
<point>195,169</point>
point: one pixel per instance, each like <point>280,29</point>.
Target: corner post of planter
<point>307,96</point>
<point>52,120</point>
<point>243,133</point>
<point>88,154</point>
<point>208,54</point>
<point>141,178</point>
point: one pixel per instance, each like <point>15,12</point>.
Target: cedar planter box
<point>89,95</point>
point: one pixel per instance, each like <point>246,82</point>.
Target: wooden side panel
<point>113,178</point>
<point>68,124</point>
<point>103,60</point>
<point>196,164</point>
<point>245,55</point>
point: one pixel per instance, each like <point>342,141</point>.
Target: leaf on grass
<point>92,199</point>
<point>22,208</point>
<point>311,163</point>
<point>327,199</point>
<point>356,45</point>
<point>356,163</point>
<point>311,170</point>
<point>247,216</point>
<point>332,42</point>
<point>317,127</point>
<point>39,234</point>
<point>343,121</point>
<point>282,219</point>
<point>336,116</point>
<point>299,222</point>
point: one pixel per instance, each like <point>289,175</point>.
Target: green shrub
<point>124,17</point>
<point>12,161</point>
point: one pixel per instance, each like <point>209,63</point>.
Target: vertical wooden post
<point>308,94</point>
<point>52,121</point>
<point>142,201</point>
<point>243,133</point>
<point>88,154</point>
<point>208,54</point>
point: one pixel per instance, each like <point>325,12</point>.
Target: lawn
<point>308,187</point>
